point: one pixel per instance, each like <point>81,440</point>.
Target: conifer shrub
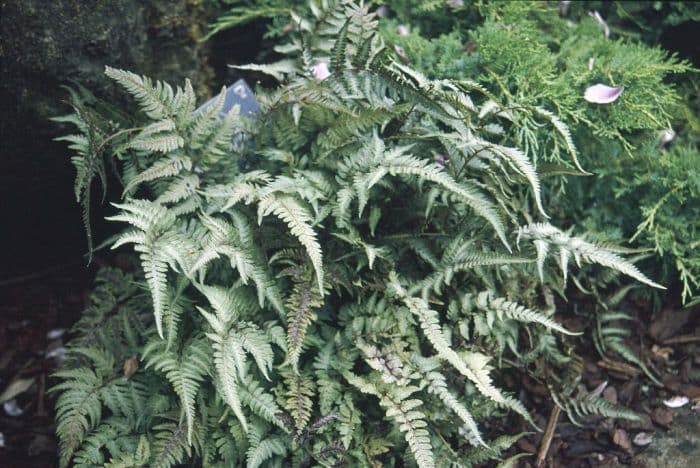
<point>349,284</point>
<point>541,56</point>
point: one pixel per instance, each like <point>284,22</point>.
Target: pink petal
<point>383,11</point>
<point>402,30</point>
<point>602,94</point>
<point>320,71</point>
<point>441,160</point>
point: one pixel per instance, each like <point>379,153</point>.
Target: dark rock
<point>46,44</point>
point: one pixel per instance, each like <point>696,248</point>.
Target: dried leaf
<point>130,367</point>
<point>610,394</point>
<point>16,387</point>
<point>662,416</point>
<point>621,439</point>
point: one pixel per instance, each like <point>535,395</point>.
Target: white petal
<point>602,94</point>
<point>642,439</point>
<point>402,30</point>
<point>666,136</point>
<point>12,408</point>
<point>599,19</point>
<point>599,389</point>
<point>591,62</point>
<point>677,401</point>
<point>57,353</point>
<point>320,71</point>
<point>564,7</point>
<point>55,333</point>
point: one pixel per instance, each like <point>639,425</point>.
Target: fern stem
<point>547,438</point>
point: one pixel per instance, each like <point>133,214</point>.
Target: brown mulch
<point>669,341</point>
<point>35,310</point>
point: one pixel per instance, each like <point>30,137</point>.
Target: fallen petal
<point>677,401</point>
<point>601,21</point>
<point>320,71</point>
<point>666,136</point>
<point>12,408</point>
<point>402,30</point>
<point>599,389</point>
<point>55,333</point>
<point>591,62</point>
<point>455,3</point>
<point>564,7</point>
<point>602,94</point>
<point>642,439</point>
<point>383,11</point>
<point>57,353</point>
<point>441,160</point>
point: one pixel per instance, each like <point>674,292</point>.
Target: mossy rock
<point>46,44</point>
<point>677,448</point>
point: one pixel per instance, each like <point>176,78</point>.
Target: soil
<point>35,309</point>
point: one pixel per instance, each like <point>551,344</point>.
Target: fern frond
<point>159,100</point>
<point>78,408</point>
<point>158,137</point>
<point>473,366</point>
<point>592,405</point>
<point>167,167</point>
<point>565,133</point>
<point>299,221</point>
<point>505,309</point>
<point>582,250</point>
<point>437,385</point>
<point>261,449</point>
<point>170,445</point>
<point>482,454</point>
<point>184,371</point>
<point>411,422</point>
<point>299,390</point>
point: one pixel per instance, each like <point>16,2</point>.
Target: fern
<point>261,340</point>
<point>299,220</point>
<point>403,411</point>
<point>185,373</point>
<point>544,235</point>
<point>505,309</point>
